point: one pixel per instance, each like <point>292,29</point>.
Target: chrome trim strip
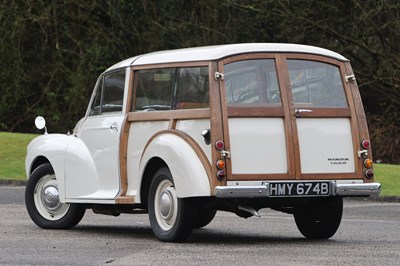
<point>262,191</point>
<point>241,191</point>
<point>366,189</point>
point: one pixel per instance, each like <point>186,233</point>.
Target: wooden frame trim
<point>255,111</point>
<point>360,122</point>
<point>247,56</point>
<point>327,112</point>
<point>290,126</point>
<point>312,57</point>
<point>121,198</point>
<point>185,114</point>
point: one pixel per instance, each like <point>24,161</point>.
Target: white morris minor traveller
<point>183,133</point>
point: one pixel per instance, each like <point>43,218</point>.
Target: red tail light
<point>365,144</point>
<point>219,144</point>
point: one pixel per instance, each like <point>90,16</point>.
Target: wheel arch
<point>188,164</point>
<point>37,162</point>
<point>153,165</point>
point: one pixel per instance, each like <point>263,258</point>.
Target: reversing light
<point>219,144</point>
<point>221,174</point>
<point>220,164</point>
<point>369,173</point>
<point>368,163</point>
<point>365,144</point>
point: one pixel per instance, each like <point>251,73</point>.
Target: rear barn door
<point>257,128</point>
<point>295,123</point>
<point>323,119</point>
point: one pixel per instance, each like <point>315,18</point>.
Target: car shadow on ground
<point>199,236</point>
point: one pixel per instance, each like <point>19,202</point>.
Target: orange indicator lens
<point>368,163</point>
<point>220,164</point>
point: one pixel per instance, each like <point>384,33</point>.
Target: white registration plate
<point>299,189</point>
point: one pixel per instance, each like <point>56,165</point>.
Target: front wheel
<point>43,203</point>
<point>319,219</point>
<point>171,218</point>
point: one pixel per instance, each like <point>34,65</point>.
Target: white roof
<point>208,53</point>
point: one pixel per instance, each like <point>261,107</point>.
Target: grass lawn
<point>12,155</point>
<point>13,152</point>
<point>389,176</point>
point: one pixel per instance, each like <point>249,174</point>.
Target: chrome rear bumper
<point>262,191</point>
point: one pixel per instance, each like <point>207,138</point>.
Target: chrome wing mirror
<point>40,123</point>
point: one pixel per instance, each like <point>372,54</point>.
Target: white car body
<point>111,156</point>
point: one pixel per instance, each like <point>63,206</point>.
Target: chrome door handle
<point>114,126</point>
<point>298,111</point>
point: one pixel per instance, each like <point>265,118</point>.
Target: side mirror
<point>40,123</point>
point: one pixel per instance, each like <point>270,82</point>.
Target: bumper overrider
<point>263,191</point>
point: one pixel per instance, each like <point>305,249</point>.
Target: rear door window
<point>252,82</point>
<point>316,84</point>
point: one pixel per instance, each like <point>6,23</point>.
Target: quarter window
<point>316,84</point>
<point>172,88</point>
<point>192,88</point>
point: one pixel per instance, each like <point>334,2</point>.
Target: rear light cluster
<point>220,164</point>
<point>369,173</point>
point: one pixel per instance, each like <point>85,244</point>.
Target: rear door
<point>295,123</point>
<point>322,128</point>
<point>256,119</point>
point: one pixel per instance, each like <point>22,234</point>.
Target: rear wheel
<point>320,219</point>
<point>204,217</point>
<point>43,203</point>
<point>171,218</point>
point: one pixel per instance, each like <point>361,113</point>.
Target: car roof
<point>216,52</point>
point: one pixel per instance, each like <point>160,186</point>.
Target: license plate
<point>299,189</point>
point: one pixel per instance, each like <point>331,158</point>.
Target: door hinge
<point>225,154</point>
<point>350,77</point>
<point>218,75</point>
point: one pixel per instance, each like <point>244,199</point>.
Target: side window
<point>192,88</point>
<point>316,84</point>
<point>154,89</point>
<point>109,94</point>
<point>96,105</point>
<point>113,94</point>
<point>252,82</point>
<point>172,88</point>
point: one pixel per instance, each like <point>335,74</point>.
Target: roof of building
<point>216,52</point>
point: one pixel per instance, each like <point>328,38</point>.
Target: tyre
<point>171,218</point>
<point>319,219</point>
<point>204,217</point>
<point>43,204</point>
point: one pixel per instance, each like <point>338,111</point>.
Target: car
<point>182,134</point>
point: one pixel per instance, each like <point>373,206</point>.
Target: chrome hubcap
<point>166,207</point>
<point>47,199</point>
<point>51,197</point>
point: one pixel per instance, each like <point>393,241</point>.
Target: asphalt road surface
<point>369,235</point>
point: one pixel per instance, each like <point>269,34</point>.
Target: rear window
<point>316,84</point>
<point>252,82</point>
